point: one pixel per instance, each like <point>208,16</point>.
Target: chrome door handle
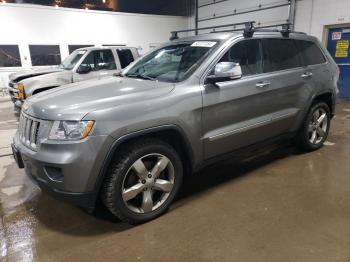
<point>263,84</point>
<point>306,75</point>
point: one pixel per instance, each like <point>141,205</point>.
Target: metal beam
<point>196,17</point>
<point>245,12</point>
<point>213,3</point>
<point>291,13</point>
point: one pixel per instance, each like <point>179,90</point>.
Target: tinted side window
<point>100,60</point>
<point>9,56</point>
<point>125,57</point>
<point>43,55</point>
<point>280,54</point>
<point>248,54</point>
<point>311,53</point>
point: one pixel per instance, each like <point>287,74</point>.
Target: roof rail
<point>248,30</point>
<point>248,27</point>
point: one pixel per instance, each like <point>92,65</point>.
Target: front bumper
<point>68,171</point>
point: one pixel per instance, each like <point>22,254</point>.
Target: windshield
<point>72,59</point>
<point>172,63</point>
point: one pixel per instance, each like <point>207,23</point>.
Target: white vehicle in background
<point>83,64</point>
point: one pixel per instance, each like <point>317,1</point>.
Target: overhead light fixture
<point>3,1</point>
<point>104,1</point>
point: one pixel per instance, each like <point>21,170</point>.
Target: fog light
<point>54,173</point>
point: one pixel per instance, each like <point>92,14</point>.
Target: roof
<point>104,47</point>
<point>210,36</point>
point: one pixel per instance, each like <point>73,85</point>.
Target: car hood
<point>23,74</point>
<point>74,101</point>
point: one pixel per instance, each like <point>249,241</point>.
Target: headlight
<point>20,88</point>
<point>70,130</point>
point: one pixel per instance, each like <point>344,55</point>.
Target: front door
<point>338,47</point>
<point>101,64</point>
<point>260,105</point>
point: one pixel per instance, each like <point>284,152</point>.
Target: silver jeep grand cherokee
<point>83,64</point>
<point>130,139</point>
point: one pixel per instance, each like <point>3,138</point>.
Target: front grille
<point>28,130</point>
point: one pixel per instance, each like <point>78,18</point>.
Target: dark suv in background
<point>130,139</point>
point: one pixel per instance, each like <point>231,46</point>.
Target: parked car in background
<point>83,64</point>
<point>130,139</point>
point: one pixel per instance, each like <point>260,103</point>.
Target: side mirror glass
<point>225,71</point>
<point>83,69</point>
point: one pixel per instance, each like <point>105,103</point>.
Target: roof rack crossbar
<point>248,26</point>
<point>248,30</point>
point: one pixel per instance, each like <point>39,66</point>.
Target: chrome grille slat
<point>36,133</point>
<point>28,130</point>
<point>28,127</point>
<point>32,134</point>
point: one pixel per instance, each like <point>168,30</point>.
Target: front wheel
<point>143,181</point>
<point>314,131</point>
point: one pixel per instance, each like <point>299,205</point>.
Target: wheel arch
<point>327,97</point>
<point>42,89</point>
<point>171,134</point>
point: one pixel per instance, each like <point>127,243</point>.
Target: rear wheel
<point>143,181</point>
<point>314,131</point>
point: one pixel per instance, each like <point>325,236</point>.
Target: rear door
<point>315,75</point>
<point>125,56</point>
<point>101,63</point>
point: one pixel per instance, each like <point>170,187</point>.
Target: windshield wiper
<point>141,76</point>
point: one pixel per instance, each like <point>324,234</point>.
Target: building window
<point>9,56</point>
<point>72,48</point>
<point>45,55</point>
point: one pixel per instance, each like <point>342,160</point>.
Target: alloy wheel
<point>148,183</point>
<point>318,126</point>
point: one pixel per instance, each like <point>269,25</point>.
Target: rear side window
<point>248,54</point>
<point>311,53</point>
<point>280,54</point>
<point>125,57</point>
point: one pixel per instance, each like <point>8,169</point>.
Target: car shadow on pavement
<point>222,172</point>
<point>66,218</point>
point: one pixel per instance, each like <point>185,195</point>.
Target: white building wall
<point>313,15</point>
<point>23,24</point>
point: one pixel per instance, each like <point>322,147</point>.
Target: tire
<point>305,138</point>
<point>136,189</point>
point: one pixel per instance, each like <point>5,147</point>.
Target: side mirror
<point>118,73</point>
<point>225,71</point>
<point>83,69</point>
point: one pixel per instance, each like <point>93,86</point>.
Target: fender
<point>323,92</point>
